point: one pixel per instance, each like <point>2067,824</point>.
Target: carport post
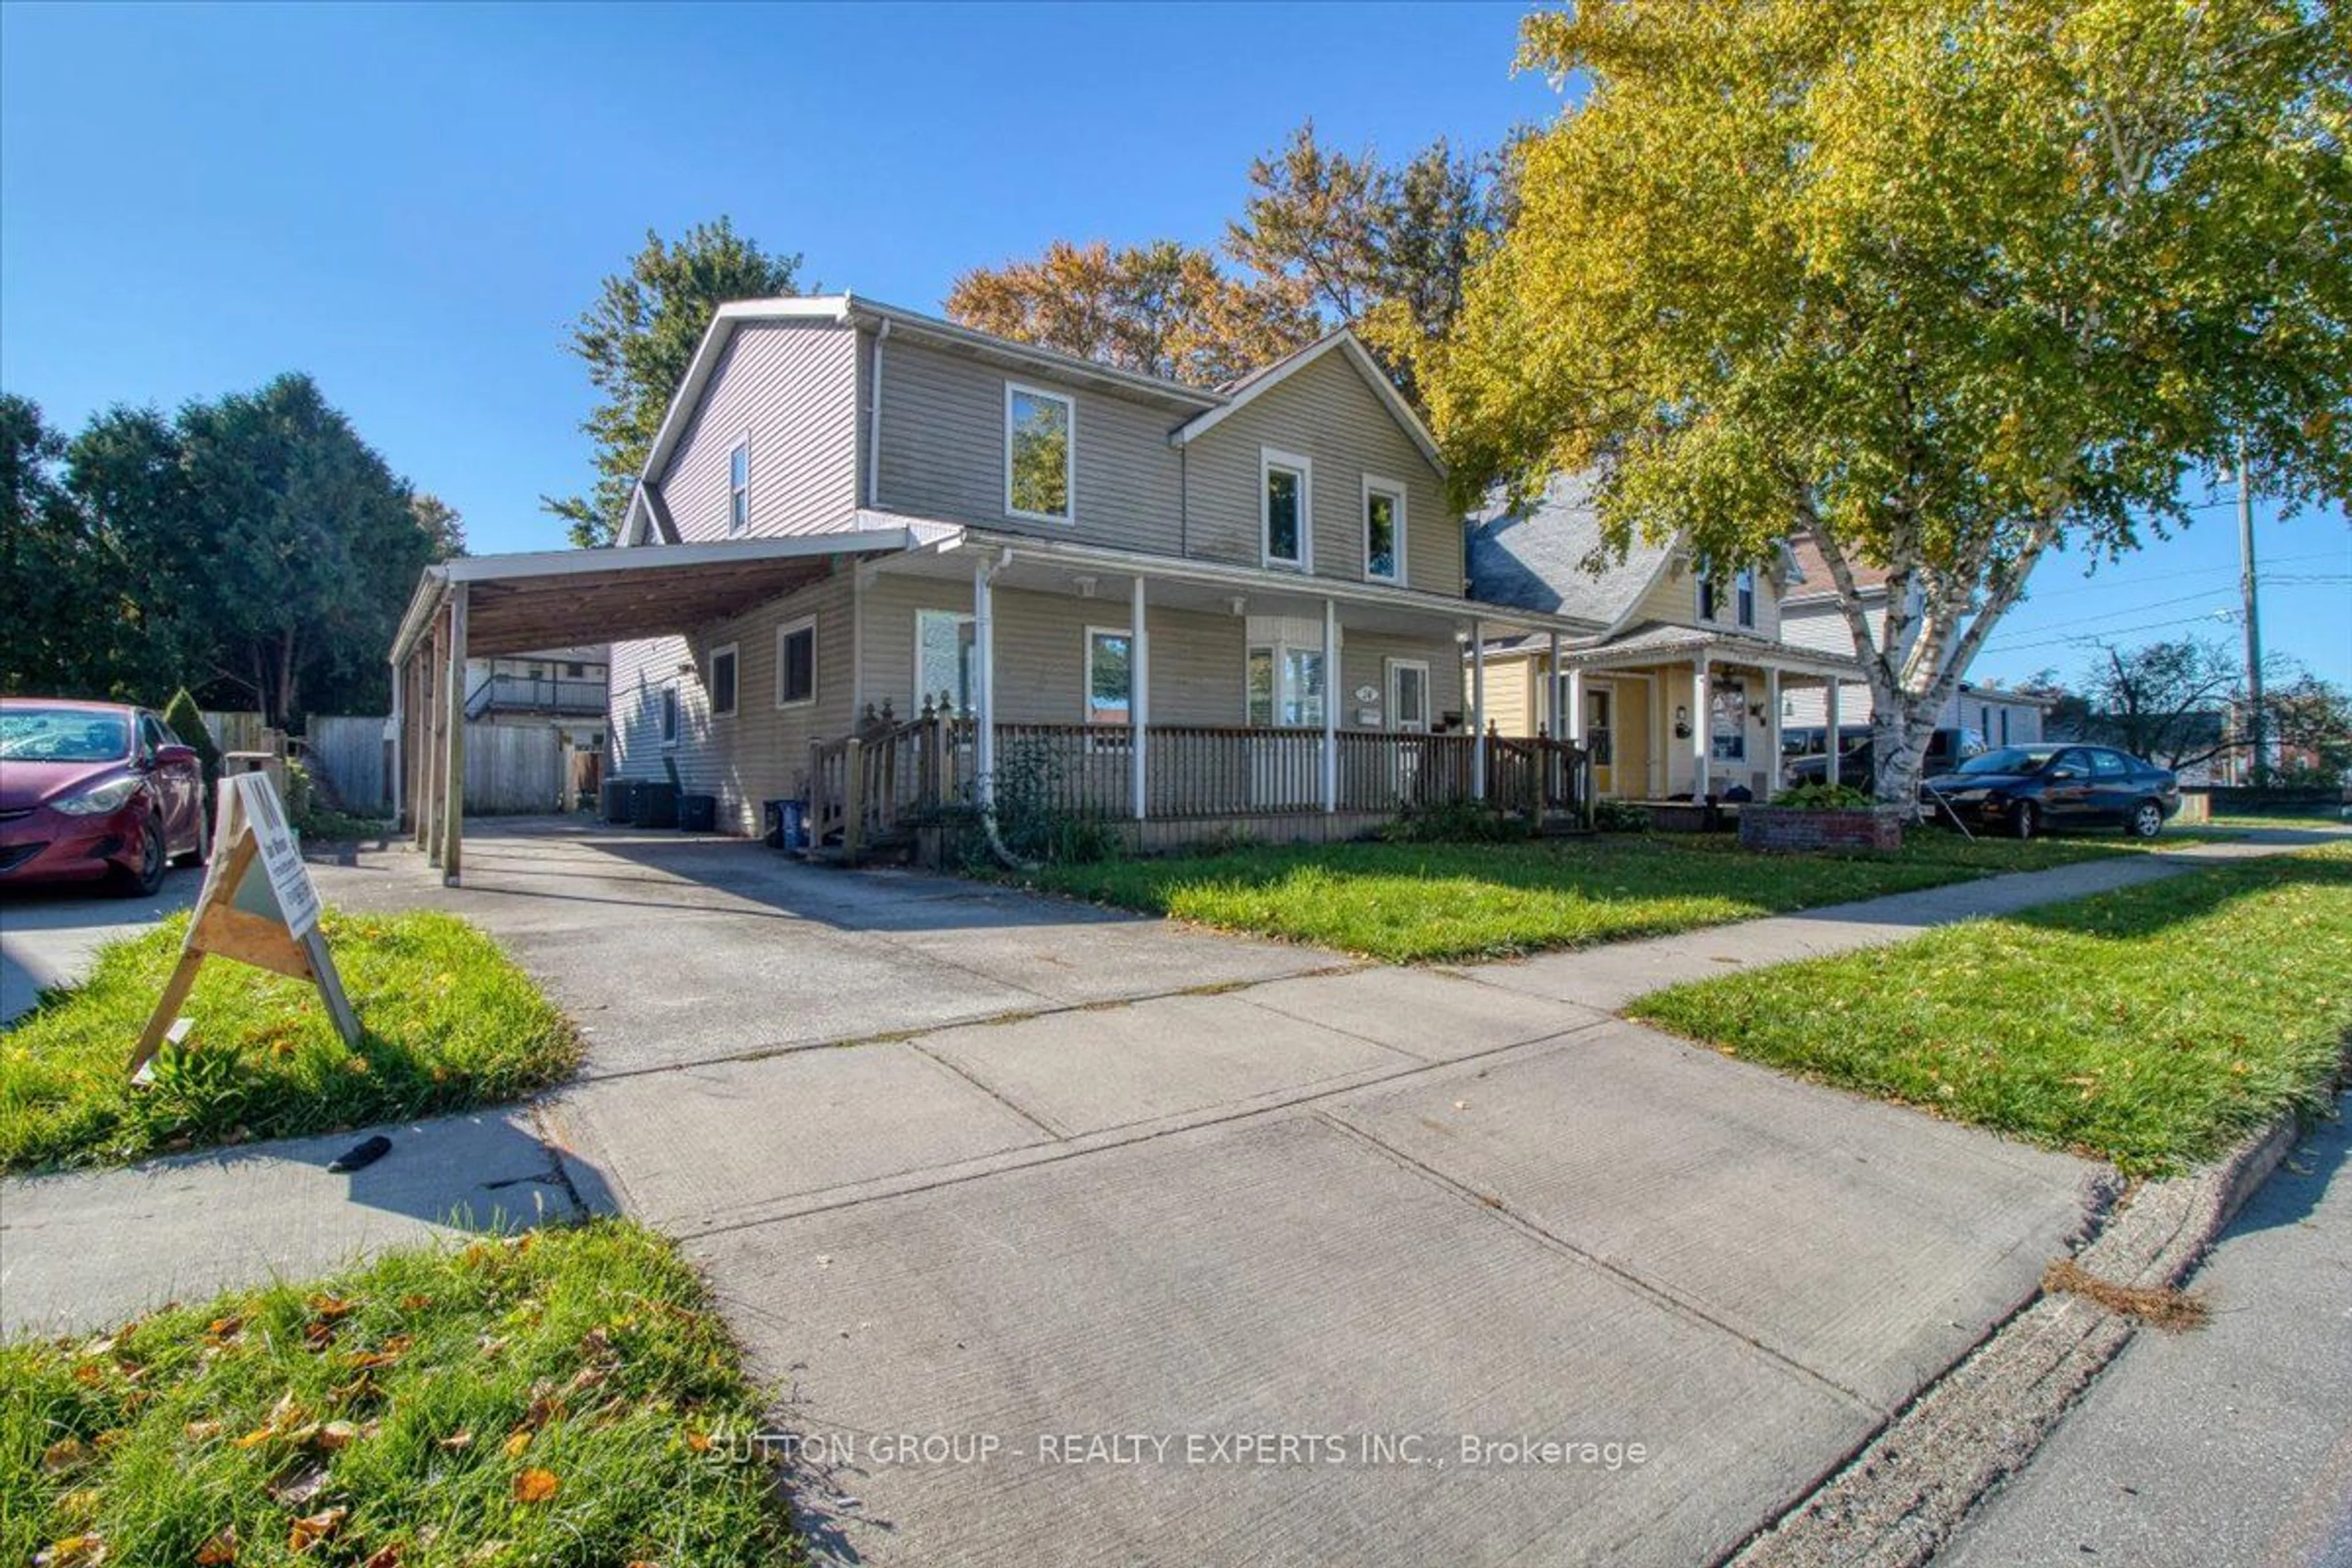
<point>430,772</point>
<point>984,684</point>
<point>1332,693</point>
<point>399,743</point>
<point>1830,749</point>
<point>1477,711</point>
<point>1138,702</point>
<point>452,853</point>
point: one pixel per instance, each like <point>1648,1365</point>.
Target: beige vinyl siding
<point>1514,694</point>
<point>942,452</point>
<point>793,386</point>
<point>760,752</point>
<point>1673,598</point>
<point>1363,661</point>
<point>1327,415</point>
<point>1196,660</point>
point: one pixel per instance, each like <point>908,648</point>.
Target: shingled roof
<point>1550,557</point>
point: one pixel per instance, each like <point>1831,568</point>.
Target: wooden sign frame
<point>270,922</point>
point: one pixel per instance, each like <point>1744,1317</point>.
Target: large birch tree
<point>1949,284</point>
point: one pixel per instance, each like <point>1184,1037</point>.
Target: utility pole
<point>2255,716</point>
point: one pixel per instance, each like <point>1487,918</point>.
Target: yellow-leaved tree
<point>1946,283</point>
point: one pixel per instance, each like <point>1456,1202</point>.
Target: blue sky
<point>412,202</point>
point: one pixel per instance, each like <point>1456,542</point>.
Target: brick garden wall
<point>1785,828</point>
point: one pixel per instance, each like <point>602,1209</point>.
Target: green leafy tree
<point>312,548</point>
<point>638,338</point>
<point>442,523</point>
<point>1947,284</point>
<point>58,576</point>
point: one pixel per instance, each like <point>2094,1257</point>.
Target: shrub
<point>187,721</point>
<point>1457,822</point>
<point>1825,797</point>
<point>1619,817</point>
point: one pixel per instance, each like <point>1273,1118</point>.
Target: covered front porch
<point>1175,698</point>
<point>883,675</point>
<point>1688,713</point>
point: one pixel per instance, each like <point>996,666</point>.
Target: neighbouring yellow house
<point>1685,694</point>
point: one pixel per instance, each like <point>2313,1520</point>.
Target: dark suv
<point>1947,749</point>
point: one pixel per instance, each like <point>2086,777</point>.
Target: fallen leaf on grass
<point>536,1486</point>
<point>458,1440</point>
<point>220,1549</point>
<point>64,1455</point>
<point>313,1529</point>
<point>73,1551</point>
<point>202,1431</point>
<point>516,1443</point>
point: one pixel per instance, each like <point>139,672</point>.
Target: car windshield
<point>63,735</point>
<point>2009,760</point>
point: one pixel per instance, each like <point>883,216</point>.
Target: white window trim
<point>669,716</point>
<point>1281,649</point>
<point>1086,675</point>
<point>1428,704</point>
<point>735,652</point>
<point>962,618</point>
<point>785,632</point>
<point>1069,461</point>
<point>1268,460</point>
<point>1749,582</point>
<point>742,445</point>
<point>1376,484</point>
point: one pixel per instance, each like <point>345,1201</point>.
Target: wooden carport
<point>485,605</point>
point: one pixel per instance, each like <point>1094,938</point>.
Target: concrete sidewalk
<point>1078,1174</point>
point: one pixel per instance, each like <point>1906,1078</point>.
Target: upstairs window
<point>739,486</point>
<point>1110,676</point>
<point>795,663</point>
<point>1383,531</point>
<point>1743,589</point>
<point>1040,436</point>
<point>723,665</point>
<point>1286,503</point>
<point>1707,607</point>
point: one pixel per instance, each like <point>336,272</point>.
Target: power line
<point>2033,594</point>
<point>2079,637</point>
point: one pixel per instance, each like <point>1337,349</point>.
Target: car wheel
<point>2146,820</point>
<point>2022,821</point>
<point>143,882</point>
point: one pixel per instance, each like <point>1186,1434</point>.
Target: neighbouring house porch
<point>1672,712</point>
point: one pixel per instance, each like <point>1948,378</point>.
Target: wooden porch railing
<point>877,783</point>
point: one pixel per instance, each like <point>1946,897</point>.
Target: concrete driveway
<point>1067,1237</point>
<point>48,934</point>
<point>1103,1240</point>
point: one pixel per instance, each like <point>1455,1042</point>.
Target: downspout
<point>984,615</point>
<point>874,422</point>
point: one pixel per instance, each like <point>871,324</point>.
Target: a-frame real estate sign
<point>259,906</point>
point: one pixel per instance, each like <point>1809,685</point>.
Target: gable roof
<point>1241,393</point>
<point>1535,559</point>
<point>1206,406</point>
<point>1812,569</point>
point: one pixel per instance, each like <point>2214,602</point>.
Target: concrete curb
<point>1900,1497</point>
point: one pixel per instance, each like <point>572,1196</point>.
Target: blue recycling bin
<point>784,824</point>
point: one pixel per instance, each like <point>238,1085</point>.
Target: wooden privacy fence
<point>509,768</point>
<point>877,783</point>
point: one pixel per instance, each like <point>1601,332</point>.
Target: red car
<point>95,789</point>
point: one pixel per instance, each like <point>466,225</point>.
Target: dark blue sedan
<point>2024,790</point>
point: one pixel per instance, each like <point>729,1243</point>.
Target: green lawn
<point>2151,1027</point>
<point>563,1397</point>
<point>450,1022</point>
<point>1417,902</point>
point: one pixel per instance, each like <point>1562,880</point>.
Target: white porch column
<point>1477,712</point>
<point>1702,726</point>
<point>1574,729</point>
<point>1771,732</point>
<point>1561,723</point>
<point>453,831</point>
<point>1332,693</point>
<point>1139,698</point>
<point>1830,748</point>
<point>983,681</point>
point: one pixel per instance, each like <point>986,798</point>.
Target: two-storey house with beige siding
<point>1687,690</point>
<point>1244,603</point>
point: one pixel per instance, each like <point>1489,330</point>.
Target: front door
<point>1408,715</point>
<point>1601,736</point>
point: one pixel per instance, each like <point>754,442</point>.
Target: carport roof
<point>517,602</point>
